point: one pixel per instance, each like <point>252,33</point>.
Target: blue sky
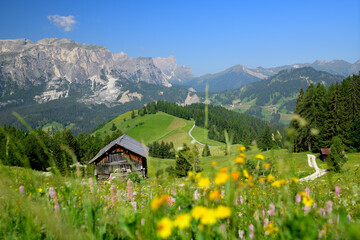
<point>208,36</point>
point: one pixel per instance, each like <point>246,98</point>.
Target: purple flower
<point>298,198</point>
<point>337,191</point>
<point>22,190</point>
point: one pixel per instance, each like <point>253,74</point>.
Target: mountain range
<point>239,75</point>
<point>80,85</point>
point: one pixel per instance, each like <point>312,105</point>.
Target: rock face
<point>58,68</point>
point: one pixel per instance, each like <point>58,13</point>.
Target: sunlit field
<point>228,200</point>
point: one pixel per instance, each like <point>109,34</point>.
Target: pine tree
<point>206,151</point>
<point>113,127</point>
<point>337,156</point>
<point>132,114</point>
<point>266,139</point>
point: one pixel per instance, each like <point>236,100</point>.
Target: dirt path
<point>318,172</point>
<point>195,139</point>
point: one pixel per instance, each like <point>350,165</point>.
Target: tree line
<point>324,113</point>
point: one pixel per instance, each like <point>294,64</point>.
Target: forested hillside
<point>324,113</point>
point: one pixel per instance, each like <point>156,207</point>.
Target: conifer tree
<point>182,165</point>
<point>266,139</point>
<point>206,151</point>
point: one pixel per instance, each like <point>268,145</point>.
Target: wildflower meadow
<point>231,202</point>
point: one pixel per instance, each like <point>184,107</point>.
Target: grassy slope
<point>158,127</point>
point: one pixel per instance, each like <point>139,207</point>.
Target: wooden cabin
<point>324,152</point>
<point>121,157</point>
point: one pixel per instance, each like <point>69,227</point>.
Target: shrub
<point>337,157</point>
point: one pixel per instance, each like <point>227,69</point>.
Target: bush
<point>135,177</point>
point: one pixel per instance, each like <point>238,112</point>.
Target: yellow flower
<point>295,180</point>
<point>251,184</point>
<point>270,178</point>
<point>209,217</point>
<point>191,175</point>
<point>182,221</point>
<point>278,183</point>
<point>302,193</point>
<point>197,212</point>
<point>204,182</point>
<point>223,212</point>
<point>242,155</point>
<point>271,229</point>
<point>164,227</point>
<point>260,156</point>
<point>246,173</point>
<point>239,160</point>
<point>235,175</point>
<point>40,190</point>
<point>242,148</point>
<point>307,201</point>
<point>214,194</point>
<point>224,169</point>
<point>261,179</point>
<point>221,178</point>
<point>198,175</point>
<point>267,165</point>
<point>158,201</point>
<point>214,163</point>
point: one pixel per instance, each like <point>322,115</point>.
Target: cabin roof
<point>325,151</point>
<point>126,142</point>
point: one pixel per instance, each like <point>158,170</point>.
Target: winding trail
<point>318,172</point>
<point>194,138</point>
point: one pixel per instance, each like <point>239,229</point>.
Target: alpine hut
<point>324,152</point>
<point>122,156</point>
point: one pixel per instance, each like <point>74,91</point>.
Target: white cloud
<point>63,22</point>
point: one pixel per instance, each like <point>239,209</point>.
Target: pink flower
<point>337,191</point>
<point>322,212</point>
<point>56,207</point>
<point>348,217</point>
<point>241,234</point>
<point>266,222</point>
<point>251,231</point>
<point>142,222</point>
<point>130,190</point>
<point>133,203</point>
<point>118,195</point>
<point>329,207</point>
<point>52,192</point>
<point>298,198</point>
<point>271,211</point>
<point>314,205</point>
<point>307,190</point>
<point>196,195</point>
<point>241,200</point>
<point>22,190</point>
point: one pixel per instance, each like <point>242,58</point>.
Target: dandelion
<point>278,183</point>
<point>209,217</point>
<point>270,178</point>
<point>40,190</point>
<point>214,163</point>
<point>307,201</point>
<point>267,165</point>
<point>157,202</point>
<point>224,169</point>
<point>239,160</point>
<point>246,173</point>
<point>198,211</point>
<point>164,227</point>
<point>182,221</point>
<point>260,157</point>
<point>191,175</point>
<point>198,175</point>
<point>261,179</point>
<point>295,180</point>
<point>270,229</point>
<point>223,212</point>
<point>235,175</point>
<point>241,148</point>
<point>214,195</point>
<point>204,182</point>
<point>221,178</point>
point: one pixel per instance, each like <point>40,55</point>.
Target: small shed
<point>122,156</point>
<point>324,152</point>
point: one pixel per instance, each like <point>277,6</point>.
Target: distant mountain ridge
<point>239,75</point>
